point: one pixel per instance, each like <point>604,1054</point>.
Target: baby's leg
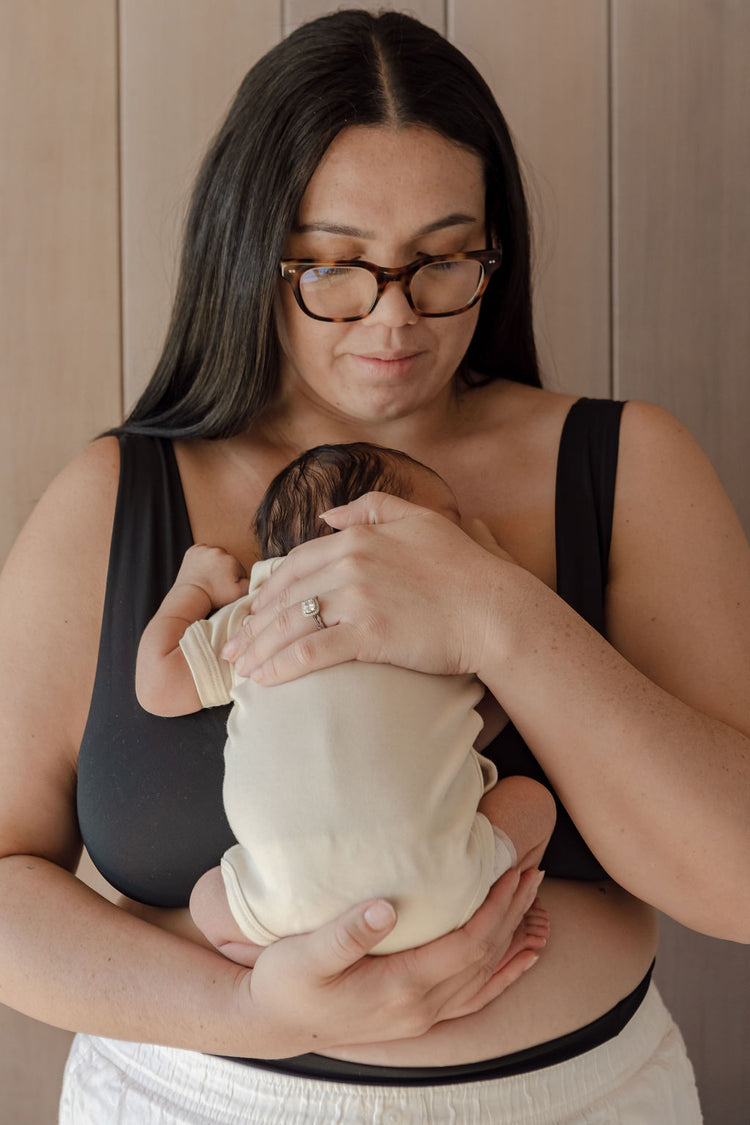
<point>210,912</point>
<point>525,811</point>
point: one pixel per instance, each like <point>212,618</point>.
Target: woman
<point>372,140</point>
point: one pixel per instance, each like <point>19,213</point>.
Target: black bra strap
<point>584,502</point>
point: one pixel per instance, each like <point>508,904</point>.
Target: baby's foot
<point>532,933</point>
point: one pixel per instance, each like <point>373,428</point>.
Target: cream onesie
<point>352,782</point>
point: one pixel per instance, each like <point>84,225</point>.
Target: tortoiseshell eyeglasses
<point>350,289</point>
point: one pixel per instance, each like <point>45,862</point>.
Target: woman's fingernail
<point>532,963</point>
<point>379,915</point>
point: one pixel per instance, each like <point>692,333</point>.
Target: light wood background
<point>633,121</point>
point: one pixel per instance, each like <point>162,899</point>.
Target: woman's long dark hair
<point>220,362</point>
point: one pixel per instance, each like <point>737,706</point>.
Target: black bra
<point>150,789</point>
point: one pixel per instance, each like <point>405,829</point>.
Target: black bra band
<point>558,1050</point>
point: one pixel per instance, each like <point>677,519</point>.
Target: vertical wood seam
<point>120,249</point>
<point>611,247</point>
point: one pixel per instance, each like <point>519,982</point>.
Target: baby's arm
<point>208,579</point>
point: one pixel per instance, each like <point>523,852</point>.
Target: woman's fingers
<point>482,944</point>
<point>343,942</point>
<point>303,574</point>
<point>278,647</point>
<point>318,650</point>
<point>299,570</point>
<point>325,986</point>
<point>265,632</point>
<point>372,507</point>
<point>503,978</point>
<point>310,558</point>
<point>277,623</point>
<point>378,601</point>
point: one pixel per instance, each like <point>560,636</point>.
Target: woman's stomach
<point>601,944</point>
<point>602,941</point>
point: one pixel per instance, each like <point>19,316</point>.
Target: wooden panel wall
<point>59,272</point>
<point>681,220</point>
<point>178,76</point>
<point>632,119</point>
<point>547,63</point>
<point>59,327</point>
<point>681,337</point>
<point>432,12</point>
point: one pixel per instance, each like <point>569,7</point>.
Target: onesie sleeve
<point>203,641</point>
<point>201,645</point>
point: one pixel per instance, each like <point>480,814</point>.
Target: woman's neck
<point>302,422</point>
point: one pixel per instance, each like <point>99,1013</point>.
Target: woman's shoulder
<point>52,594</point>
<point>660,462</point>
<point>654,445</point>
<point>646,429</point>
<point>504,395</point>
<point>94,471</point>
<point>670,504</point>
<point>84,492</point>
<point>525,417</point>
<point>70,527</point>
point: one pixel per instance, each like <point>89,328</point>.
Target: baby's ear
<point>481,534</point>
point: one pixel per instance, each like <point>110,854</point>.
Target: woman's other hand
<point>399,585</point>
<point>321,990</point>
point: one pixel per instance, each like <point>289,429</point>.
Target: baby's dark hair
<point>322,478</point>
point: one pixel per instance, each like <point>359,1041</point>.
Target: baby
<point>352,782</point>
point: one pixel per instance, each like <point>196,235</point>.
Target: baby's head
<point>331,475</point>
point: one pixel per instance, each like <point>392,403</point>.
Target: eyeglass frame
<point>292,269</point>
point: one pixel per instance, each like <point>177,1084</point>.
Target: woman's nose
<point>393,309</point>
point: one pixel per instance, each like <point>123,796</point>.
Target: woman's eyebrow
<point>456,218</point>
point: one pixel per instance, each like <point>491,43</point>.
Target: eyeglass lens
<point>345,291</point>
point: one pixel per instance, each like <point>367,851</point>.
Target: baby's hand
<point>212,569</point>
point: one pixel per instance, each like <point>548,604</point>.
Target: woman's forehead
<point>376,177</point>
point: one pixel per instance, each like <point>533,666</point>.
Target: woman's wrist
<point>505,599</point>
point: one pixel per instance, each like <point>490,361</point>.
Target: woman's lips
<point>385,364</point>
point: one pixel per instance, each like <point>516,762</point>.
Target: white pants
<point>641,1077</point>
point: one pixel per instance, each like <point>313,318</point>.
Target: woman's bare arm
<point>647,740</point>
<point>73,959</point>
<point>68,956</point>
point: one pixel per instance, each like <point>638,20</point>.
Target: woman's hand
<point>399,584</point>
<point>320,990</point>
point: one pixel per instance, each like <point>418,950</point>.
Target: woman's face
<point>385,195</point>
